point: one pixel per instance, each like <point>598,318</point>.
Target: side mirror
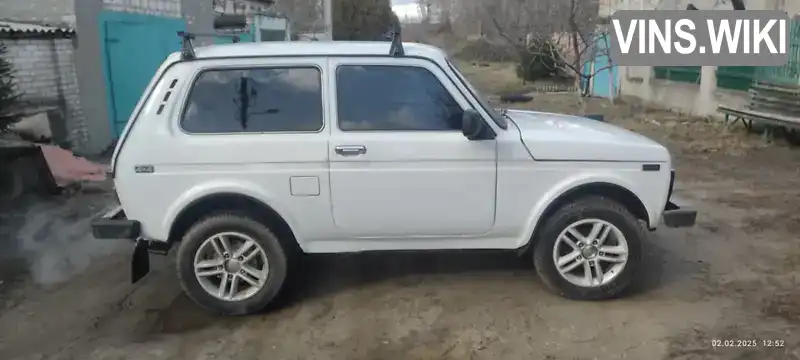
<point>473,127</point>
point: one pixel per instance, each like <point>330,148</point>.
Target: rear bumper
<point>115,225</point>
<point>675,214</point>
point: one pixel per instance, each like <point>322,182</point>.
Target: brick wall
<point>54,12</point>
<point>239,6</point>
<point>45,74</point>
<point>171,8</point>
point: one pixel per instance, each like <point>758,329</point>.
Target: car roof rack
<point>396,49</point>
<point>222,22</point>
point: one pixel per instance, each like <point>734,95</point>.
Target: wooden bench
<point>773,105</point>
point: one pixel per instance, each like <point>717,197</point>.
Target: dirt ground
<point>64,295</point>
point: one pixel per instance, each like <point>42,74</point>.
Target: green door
<point>134,46</point>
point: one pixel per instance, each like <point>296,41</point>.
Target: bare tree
<point>439,10</point>
<point>363,19</point>
<point>445,11</point>
<point>566,30</point>
<point>304,15</point>
<point>424,7</point>
<point>573,26</point>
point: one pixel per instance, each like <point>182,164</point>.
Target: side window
<point>383,97</point>
<point>255,100</point>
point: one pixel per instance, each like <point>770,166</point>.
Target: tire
<point>591,210</point>
<point>195,246</point>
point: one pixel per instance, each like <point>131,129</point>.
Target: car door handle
<point>351,150</point>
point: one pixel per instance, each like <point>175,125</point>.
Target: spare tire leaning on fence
<point>515,98</point>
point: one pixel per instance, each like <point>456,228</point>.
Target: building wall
<point>82,84</point>
<point>687,98</point>
<point>45,74</point>
<point>239,7</point>
<point>199,16</point>
<point>791,6</point>
<point>89,59</point>
<point>53,12</point>
<point>681,97</point>
<point>169,8</point>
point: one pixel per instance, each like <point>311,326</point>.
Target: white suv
<point>247,156</point>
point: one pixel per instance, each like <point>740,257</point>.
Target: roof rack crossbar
<point>187,49</point>
<point>396,49</point>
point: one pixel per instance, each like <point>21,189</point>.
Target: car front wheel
<point>231,264</point>
<point>590,249</point>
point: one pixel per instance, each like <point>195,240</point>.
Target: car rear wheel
<point>589,249</point>
<point>231,264</point>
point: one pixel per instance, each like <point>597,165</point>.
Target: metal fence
<point>552,87</point>
<point>789,74</point>
<point>742,77</point>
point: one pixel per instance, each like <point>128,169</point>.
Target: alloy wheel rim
<point>590,253</point>
<point>231,266</point>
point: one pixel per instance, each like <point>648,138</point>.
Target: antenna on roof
<point>396,49</point>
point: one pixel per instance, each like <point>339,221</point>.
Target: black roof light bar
<point>230,22</point>
<point>222,22</point>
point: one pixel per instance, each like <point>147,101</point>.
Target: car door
<point>399,164</point>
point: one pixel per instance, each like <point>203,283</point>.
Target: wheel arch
<point>619,193</point>
<point>234,202</point>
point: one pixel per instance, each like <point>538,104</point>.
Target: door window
<point>386,98</point>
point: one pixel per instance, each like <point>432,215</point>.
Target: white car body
<point>396,190</point>
<point>392,197</point>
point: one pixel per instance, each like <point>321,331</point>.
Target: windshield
<point>498,119</point>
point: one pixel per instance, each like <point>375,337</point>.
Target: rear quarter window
<point>256,100</point>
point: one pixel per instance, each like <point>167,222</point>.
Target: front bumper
<point>676,215</point>
<point>115,225</point>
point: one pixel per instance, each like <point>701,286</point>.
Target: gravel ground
<point>64,295</point>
